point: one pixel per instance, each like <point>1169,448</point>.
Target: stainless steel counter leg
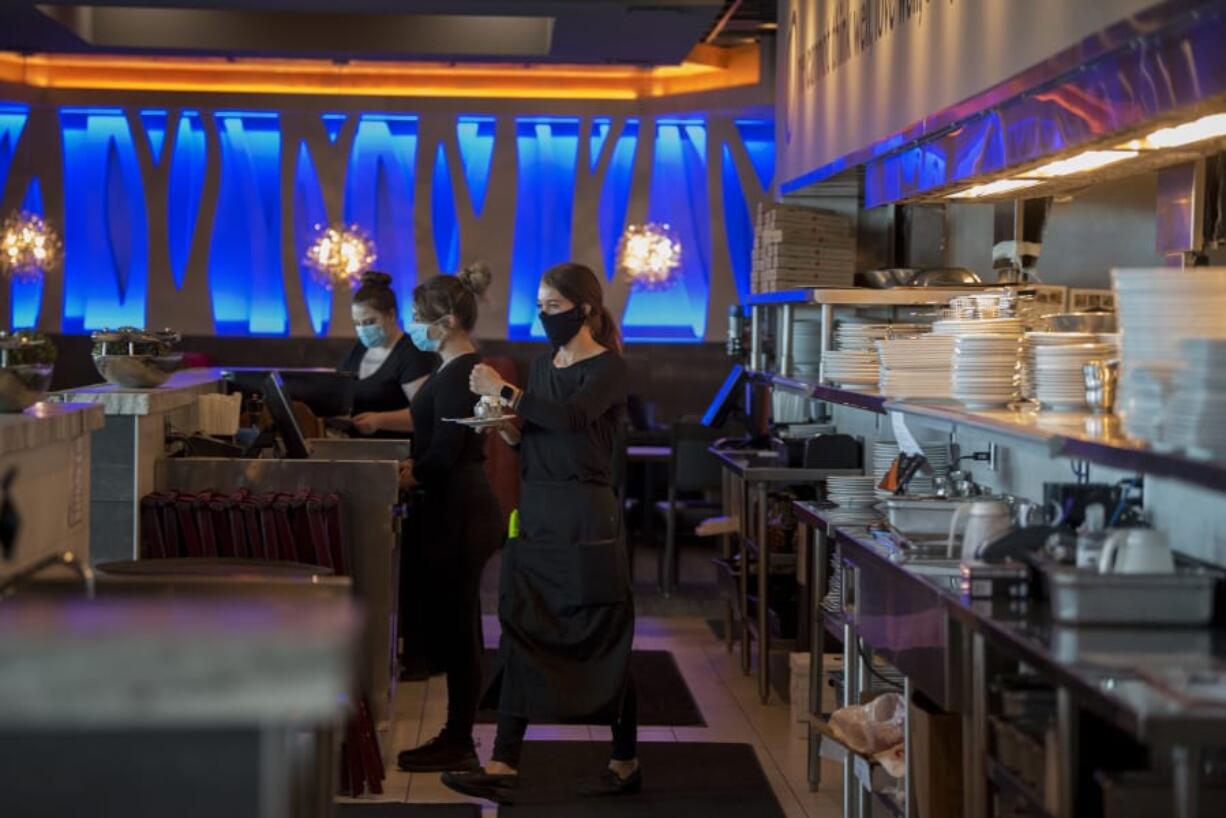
<point>726,549</point>
<point>764,642</point>
<point>818,564</point>
<point>746,515</point>
<point>976,769</point>
<point>784,344</point>
<point>851,695</point>
<point>1067,747</point>
<point>1186,762</point>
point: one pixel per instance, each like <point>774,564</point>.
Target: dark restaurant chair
<point>694,475</point>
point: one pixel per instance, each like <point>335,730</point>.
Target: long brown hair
<point>579,285</point>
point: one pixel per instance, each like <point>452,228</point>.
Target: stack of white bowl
<point>807,348</point>
<point>886,451</point>
<point>985,370</point>
<point>1195,420</point>
<point>855,363</point>
<point>1159,308</point>
<point>1031,341</point>
<point>857,336</point>
<point>916,368</point>
<point>1059,383</point>
<point>851,491</point>
<point>854,370</point>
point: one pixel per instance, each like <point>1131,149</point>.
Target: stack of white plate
<point>916,367</point>
<point>806,347</point>
<point>979,326</point>
<point>852,336</point>
<point>985,370</point>
<point>1159,308</point>
<point>886,451</point>
<point>1032,341</point>
<point>851,492</point>
<point>1196,416</point>
<point>1059,383</point>
<point>856,370</point>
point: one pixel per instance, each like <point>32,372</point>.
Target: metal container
<point>944,277</point>
<point>921,516</point>
<point>23,386</point>
<point>1088,598</point>
<point>137,371</point>
<point>1101,378</point>
<point>1096,322</point>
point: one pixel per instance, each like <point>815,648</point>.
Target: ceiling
<point>588,32</point>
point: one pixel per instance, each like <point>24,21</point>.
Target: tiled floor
<point>728,699</point>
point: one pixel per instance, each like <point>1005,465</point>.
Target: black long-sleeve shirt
<point>439,446</point>
<point>572,418</point>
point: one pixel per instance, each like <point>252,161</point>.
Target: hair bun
<point>476,277</point>
<point>374,278</point>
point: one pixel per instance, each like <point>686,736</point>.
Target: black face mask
<point>562,326</point>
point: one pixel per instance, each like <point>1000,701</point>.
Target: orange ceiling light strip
<point>707,68</point>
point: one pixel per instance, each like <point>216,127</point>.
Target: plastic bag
<point>871,728</point>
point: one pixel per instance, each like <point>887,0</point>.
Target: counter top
<point>1105,667</point>
<point>46,423</point>
<point>181,389</point>
<point>864,296</point>
<point>758,466</point>
<point>179,662</point>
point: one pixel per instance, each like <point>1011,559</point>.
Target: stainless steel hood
<point>1163,67</point>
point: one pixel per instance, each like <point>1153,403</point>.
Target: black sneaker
<point>609,783</point>
<point>440,754</point>
<point>480,784</point>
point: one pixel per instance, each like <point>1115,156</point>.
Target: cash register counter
<point>913,614</point>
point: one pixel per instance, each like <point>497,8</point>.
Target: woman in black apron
<point>564,600</point>
<point>455,521</point>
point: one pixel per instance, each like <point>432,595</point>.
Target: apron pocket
<point>599,571</point>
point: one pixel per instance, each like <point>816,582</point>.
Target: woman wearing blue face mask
<point>456,524</point>
<point>390,368</point>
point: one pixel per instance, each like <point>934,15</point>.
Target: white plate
<point>480,423</point>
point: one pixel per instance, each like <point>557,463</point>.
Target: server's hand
<point>485,380</point>
<point>367,422</point>
<point>407,480</point>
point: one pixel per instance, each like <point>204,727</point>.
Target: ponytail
<point>604,329</point>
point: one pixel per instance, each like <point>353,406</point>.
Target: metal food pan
<point>1087,598</point>
<point>919,516</point>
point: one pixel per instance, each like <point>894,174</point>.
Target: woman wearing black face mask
<point>564,602</point>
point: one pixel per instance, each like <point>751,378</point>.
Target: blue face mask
<point>419,334</point>
<point>371,335</point>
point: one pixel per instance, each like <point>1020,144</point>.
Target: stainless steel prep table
<point>750,475</point>
<point>1092,668</point>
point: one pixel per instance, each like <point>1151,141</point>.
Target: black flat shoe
<point>480,784</point>
<point>609,783</point>
<point>440,754</point>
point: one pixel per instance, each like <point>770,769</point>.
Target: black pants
<point>462,645</point>
<point>509,740</point>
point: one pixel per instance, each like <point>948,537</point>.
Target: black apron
<point>566,608</point>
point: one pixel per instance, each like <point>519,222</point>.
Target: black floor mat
<point>680,780</point>
<point>664,698</point>
<point>398,809</point>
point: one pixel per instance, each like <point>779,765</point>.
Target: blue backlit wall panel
<point>444,218</point>
<point>245,276</point>
<point>26,297</point>
<point>188,163</point>
<point>379,195</point>
<point>615,195</point>
<point>12,123</point>
<point>154,120</point>
<point>679,198</point>
<point>738,225</point>
<point>547,151</point>
<point>475,135</point>
<point>226,171</point>
<point>310,214</point>
<point>106,231</point>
